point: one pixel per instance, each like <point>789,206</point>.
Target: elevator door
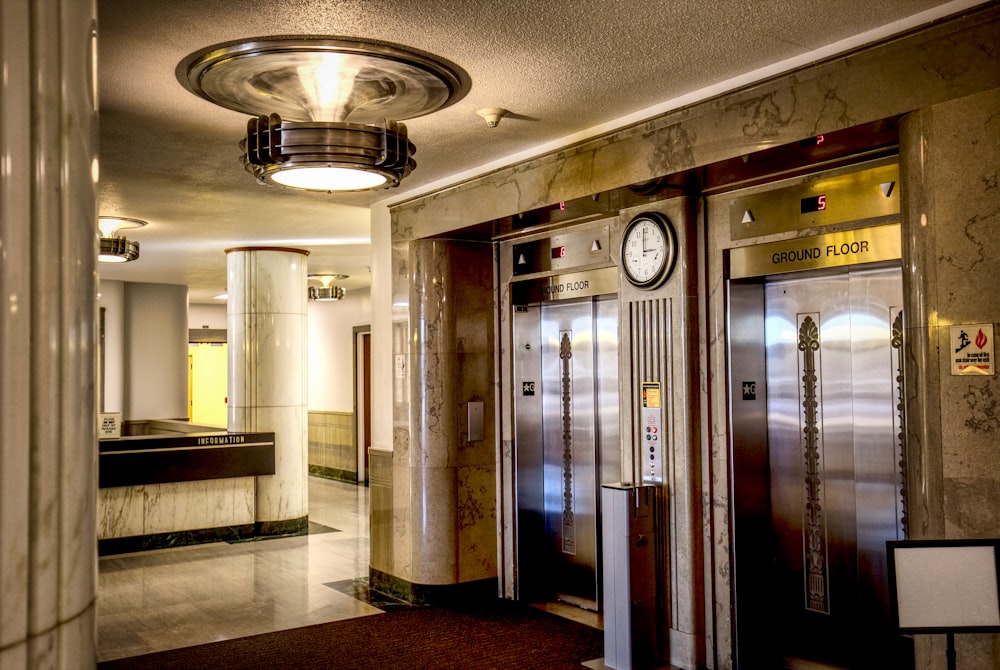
<point>566,429</point>
<point>833,451</point>
<point>834,476</point>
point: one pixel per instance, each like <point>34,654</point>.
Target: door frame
<point>362,398</point>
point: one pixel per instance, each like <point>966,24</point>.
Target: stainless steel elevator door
<point>566,443</point>
<point>834,450</point>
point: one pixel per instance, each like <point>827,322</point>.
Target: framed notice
<point>944,586</point>
<point>109,425</point>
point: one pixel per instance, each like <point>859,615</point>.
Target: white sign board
<point>945,585</point>
<point>972,349</point>
<point>109,425</point>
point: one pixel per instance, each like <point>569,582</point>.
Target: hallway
<point>170,598</point>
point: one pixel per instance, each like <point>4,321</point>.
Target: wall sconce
<point>114,247</point>
<point>326,291</point>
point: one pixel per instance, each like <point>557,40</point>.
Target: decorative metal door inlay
<point>814,521</point>
<point>568,524</point>
<point>896,343</point>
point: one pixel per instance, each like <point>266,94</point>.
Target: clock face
<point>648,250</point>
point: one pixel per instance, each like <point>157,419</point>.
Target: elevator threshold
<point>598,664</point>
<point>577,601</point>
<point>802,664</point>
<point>571,612</point>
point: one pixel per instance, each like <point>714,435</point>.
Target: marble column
<point>949,167</point>
<point>48,284</point>
<point>443,486</point>
<point>268,383</point>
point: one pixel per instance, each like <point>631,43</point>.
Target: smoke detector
<point>492,115</point>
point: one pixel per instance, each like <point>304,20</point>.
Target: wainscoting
<point>332,451</point>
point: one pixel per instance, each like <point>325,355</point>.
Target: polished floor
<point>170,598</point>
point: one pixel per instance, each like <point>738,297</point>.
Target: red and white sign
<point>972,349</point>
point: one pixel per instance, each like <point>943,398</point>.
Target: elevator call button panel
<point>651,431</point>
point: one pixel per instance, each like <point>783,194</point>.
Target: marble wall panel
<point>332,452</point>
<point>381,509</point>
<point>718,500</point>
<point>477,523</point>
<point>266,348</point>
<point>210,503</point>
<point>433,439</point>
<point>120,512</point>
<point>402,525</point>
<point>267,281</point>
<point>505,527</point>
<point>432,528</point>
<point>950,159</point>
<point>285,494</point>
<point>951,219</point>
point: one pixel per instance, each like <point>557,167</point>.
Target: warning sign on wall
<point>972,349</point>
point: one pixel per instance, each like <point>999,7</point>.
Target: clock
<point>649,250</point>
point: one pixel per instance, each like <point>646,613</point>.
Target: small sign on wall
<point>109,425</point>
<point>972,349</point>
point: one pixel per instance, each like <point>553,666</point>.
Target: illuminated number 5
<point>821,203</point>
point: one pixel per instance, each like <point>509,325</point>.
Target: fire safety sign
<point>972,349</point>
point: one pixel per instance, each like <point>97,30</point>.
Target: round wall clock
<point>649,250</point>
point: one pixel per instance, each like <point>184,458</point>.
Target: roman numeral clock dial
<point>649,250</point>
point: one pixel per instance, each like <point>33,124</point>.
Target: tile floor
<point>170,598</point>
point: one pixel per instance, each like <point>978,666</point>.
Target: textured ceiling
<point>562,68</point>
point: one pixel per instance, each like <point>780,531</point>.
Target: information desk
<point>159,459</point>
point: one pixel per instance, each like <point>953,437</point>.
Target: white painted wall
<point>331,345</point>
<point>156,357</point>
<point>331,350</point>
<point>112,300</point>
<point>381,315</point>
<point>207,316</point>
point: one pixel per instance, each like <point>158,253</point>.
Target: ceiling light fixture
<point>114,247</point>
<point>326,291</point>
<point>326,110</point>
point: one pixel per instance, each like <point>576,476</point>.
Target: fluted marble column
<point>48,288</point>
<point>268,386</point>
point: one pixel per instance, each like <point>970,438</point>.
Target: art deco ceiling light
<point>114,247</point>
<point>326,110</point>
<point>326,291</point>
